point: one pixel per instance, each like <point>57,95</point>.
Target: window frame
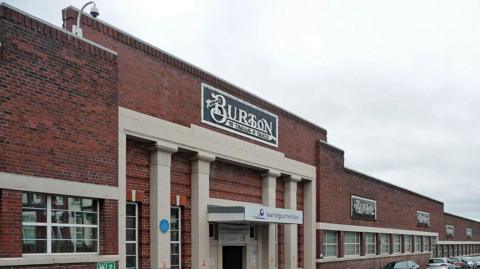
<point>418,243</point>
<point>356,244</point>
<point>408,244</point>
<point>397,244</point>
<point>382,236</point>
<point>136,233</point>
<point>179,242</point>
<point>49,225</point>
<point>367,244</point>
<point>426,243</point>
<point>325,244</point>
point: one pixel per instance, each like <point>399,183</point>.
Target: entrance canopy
<point>253,213</point>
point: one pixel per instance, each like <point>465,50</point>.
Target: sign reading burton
<point>227,112</point>
<point>363,208</point>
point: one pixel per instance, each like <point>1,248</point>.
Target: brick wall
<point>460,224</point>
<point>374,263</point>
<point>232,182</point>
<point>58,104</point>
<point>396,207</point>
<point>108,227</point>
<point>157,84</point>
<point>10,223</point>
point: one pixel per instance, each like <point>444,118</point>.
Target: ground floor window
<point>408,243</point>
<point>426,243</point>
<point>385,244</point>
<point>370,244</point>
<point>330,247</point>
<point>59,224</point>
<point>352,244</point>
<point>418,243</point>
<point>132,235</point>
<point>397,243</point>
<point>175,238</point>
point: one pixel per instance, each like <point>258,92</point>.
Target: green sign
<point>106,265</point>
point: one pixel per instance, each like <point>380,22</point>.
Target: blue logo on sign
<point>164,226</point>
<point>262,212</point>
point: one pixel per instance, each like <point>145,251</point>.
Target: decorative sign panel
<point>469,233</point>
<point>423,219</point>
<point>273,215</point>
<point>229,113</point>
<point>363,208</point>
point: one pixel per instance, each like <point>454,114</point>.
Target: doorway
<point>232,257</point>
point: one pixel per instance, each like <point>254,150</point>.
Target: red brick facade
<point>59,102</point>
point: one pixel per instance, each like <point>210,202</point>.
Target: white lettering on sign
<point>423,218</point>
<point>450,230</point>
<point>230,113</point>
<point>364,208</point>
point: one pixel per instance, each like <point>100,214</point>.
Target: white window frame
<point>179,242</point>
<point>49,226</point>
<point>382,243</point>
<point>136,233</point>
<point>355,244</point>
<point>418,243</point>
<point>426,244</point>
<point>325,244</point>
<point>397,237</point>
<point>408,242</point>
<point>374,244</point>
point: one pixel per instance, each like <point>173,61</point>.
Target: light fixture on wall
<point>76,29</point>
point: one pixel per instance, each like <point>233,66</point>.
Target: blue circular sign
<point>164,226</point>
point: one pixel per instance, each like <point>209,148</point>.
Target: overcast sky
<point>395,83</point>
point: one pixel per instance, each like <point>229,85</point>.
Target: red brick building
<point>114,151</point>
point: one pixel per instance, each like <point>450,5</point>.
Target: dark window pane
<point>60,216</point>
<point>174,236</point>
<point>131,261</point>
<point>131,235</point>
<point>86,233</point>
<point>86,218</point>
<point>174,259</point>
<point>62,246</point>
<point>131,222</point>
<point>86,245</point>
<point>174,249</point>
<point>35,200</point>
<point>174,213</point>
<point>63,232</point>
<point>34,232</point>
<point>174,226</point>
<point>88,205</point>
<point>130,210</point>
<point>34,246</point>
<point>131,249</point>
<point>34,215</point>
<point>59,202</point>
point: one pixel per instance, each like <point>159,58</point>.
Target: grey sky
<point>395,83</point>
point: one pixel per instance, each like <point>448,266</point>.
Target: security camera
<point>94,12</point>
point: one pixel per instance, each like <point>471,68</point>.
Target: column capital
<point>293,178</point>
<point>164,147</point>
<point>203,156</point>
<point>272,173</point>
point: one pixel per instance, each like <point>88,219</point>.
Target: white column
<point>160,165</point>
<point>309,223</point>
<point>122,188</point>
<point>291,247</point>
<point>269,189</point>
<point>200,194</point>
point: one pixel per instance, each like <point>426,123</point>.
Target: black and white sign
<point>233,234</point>
<point>423,219</point>
<point>469,233</point>
<point>227,112</point>
<point>450,230</point>
<point>273,215</point>
<point>363,208</point>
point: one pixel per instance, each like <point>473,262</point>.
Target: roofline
<point>457,216</point>
<point>390,184</point>
<point>199,68</point>
<point>57,28</point>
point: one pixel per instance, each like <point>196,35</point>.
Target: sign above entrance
<point>229,113</point>
<point>233,234</point>
<point>252,213</point>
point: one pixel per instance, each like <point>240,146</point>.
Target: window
<point>370,244</point>
<point>434,248</point>
<point>385,244</point>
<point>175,238</point>
<point>397,243</point>
<point>253,232</point>
<point>408,243</point>
<point>212,231</point>
<point>418,243</point>
<point>59,224</point>
<point>132,235</point>
<point>352,244</point>
<point>330,240</point>
<point>426,244</point>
